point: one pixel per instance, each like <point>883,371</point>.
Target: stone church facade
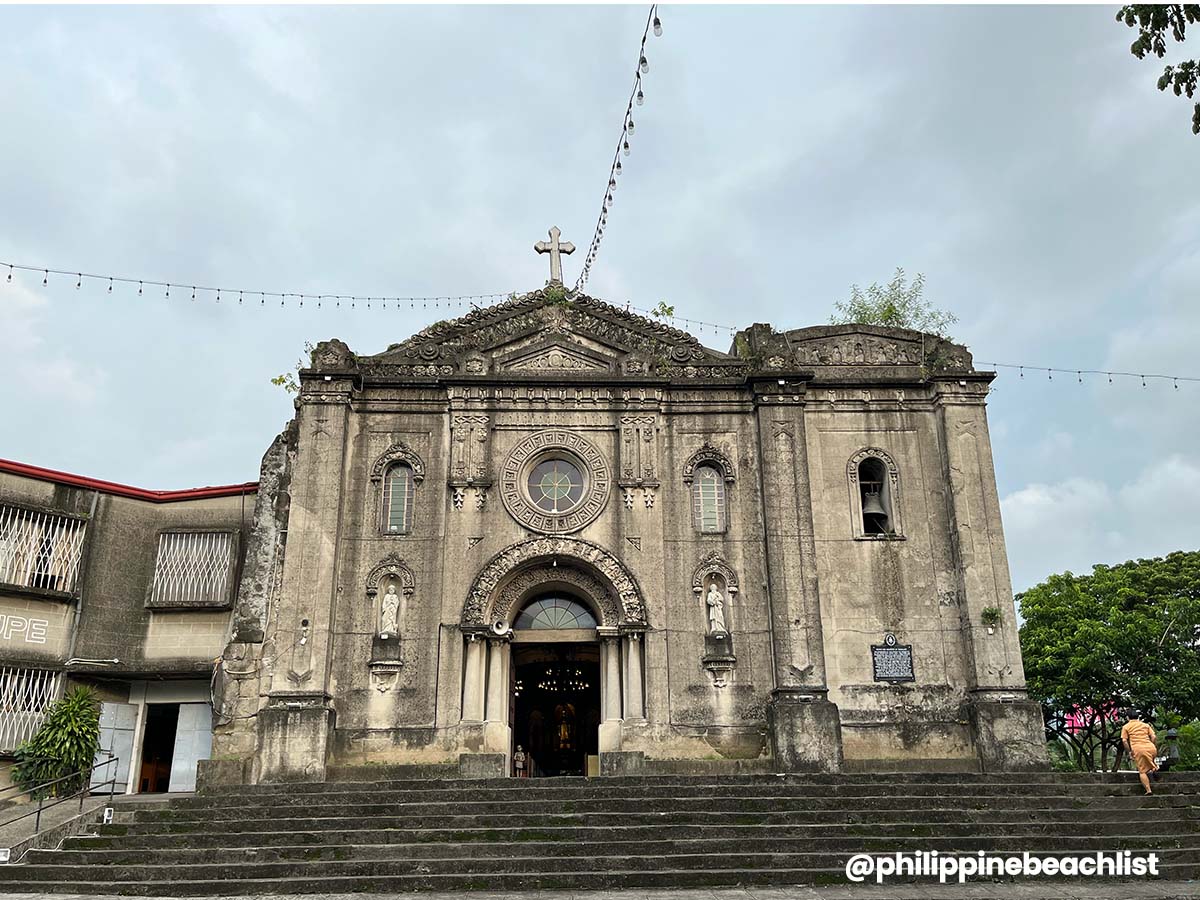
<point>554,537</point>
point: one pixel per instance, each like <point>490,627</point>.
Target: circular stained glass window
<point>555,612</point>
<point>555,485</point>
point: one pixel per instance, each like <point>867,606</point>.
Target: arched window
<point>708,500</point>
<point>397,500</point>
<point>875,497</point>
<point>555,611</point>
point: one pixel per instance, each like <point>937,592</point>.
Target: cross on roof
<point>554,248</point>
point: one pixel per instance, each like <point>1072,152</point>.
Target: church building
<point>553,537</point>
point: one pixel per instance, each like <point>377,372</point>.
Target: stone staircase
<point>622,832</point>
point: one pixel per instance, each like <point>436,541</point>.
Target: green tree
<point>1153,21</point>
<point>1123,636</point>
<point>65,744</point>
<point>897,304</point>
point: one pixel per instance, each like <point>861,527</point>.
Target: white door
<point>193,742</point>
<point>118,724</point>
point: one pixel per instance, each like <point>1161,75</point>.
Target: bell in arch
<point>875,517</point>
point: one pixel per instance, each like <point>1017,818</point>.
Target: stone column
<point>497,734</point>
<point>1007,726</point>
<point>805,727</point>
<point>295,726</point>
<point>610,687</point>
<point>474,677</point>
<point>634,703</point>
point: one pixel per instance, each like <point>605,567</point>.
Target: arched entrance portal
<point>553,656</point>
<point>556,710</point>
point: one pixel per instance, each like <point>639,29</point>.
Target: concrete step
<point>531,863</point>
<point>383,794</point>
<point>482,880</point>
<point>626,805</point>
<point>1028,829</point>
<point>710,846</point>
<point>730,782</point>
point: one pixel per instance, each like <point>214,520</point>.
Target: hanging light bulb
<point>626,148</point>
<point>612,184</point>
<point>641,98</point>
<point>618,167</point>
<point>657,27</point>
<point>629,127</point>
<point>644,64</point>
<point>608,200</point>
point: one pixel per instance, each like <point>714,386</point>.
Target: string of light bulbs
<point>636,96</point>
<point>197,291</point>
<point>248,295</point>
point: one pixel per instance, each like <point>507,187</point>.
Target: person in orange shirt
<point>1139,738</point>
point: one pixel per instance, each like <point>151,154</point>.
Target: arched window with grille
<point>708,500</point>
<point>398,498</point>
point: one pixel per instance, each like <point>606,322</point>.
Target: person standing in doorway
<point>519,761</point>
<point>1139,738</point>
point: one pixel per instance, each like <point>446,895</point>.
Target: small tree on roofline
<point>897,304</point>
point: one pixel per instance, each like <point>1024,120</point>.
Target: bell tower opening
<point>555,687</point>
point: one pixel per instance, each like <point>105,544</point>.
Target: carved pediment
<point>546,331</point>
<point>558,358</point>
<point>869,345</point>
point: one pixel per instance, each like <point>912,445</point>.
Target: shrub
<point>66,743</point>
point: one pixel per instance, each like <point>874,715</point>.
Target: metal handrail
<point>88,788</point>
<point>20,762</point>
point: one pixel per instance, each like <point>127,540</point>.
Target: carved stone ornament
<point>391,566</point>
<point>399,452</point>
<point>712,456</point>
<point>713,563</point>
<point>547,444</point>
<point>624,605</point>
<point>509,600</point>
<point>882,455</point>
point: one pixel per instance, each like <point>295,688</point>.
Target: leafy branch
<point>1153,21</point>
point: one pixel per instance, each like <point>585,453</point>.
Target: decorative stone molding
<point>639,450</point>
<point>709,455</point>
<point>718,659</point>
<point>593,592</point>
<point>570,445</point>
<point>391,566</point>
<point>713,563</point>
<point>893,486</point>
<point>628,607</point>
<point>469,439</point>
<point>399,452</point>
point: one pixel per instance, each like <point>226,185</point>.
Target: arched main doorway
<point>556,712</point>
<point>563,618</point>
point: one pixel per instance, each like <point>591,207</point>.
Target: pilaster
<point>1007,728</point>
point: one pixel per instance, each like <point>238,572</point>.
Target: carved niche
<point>387,658</point>
<point>575,449</point>
<point>470,436</point>
<point>399,452</point>
<point>710,455</point>
<point>715,578</point>
<point>624,607</point>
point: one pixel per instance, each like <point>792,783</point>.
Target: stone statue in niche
<point>716,610</point>
<point>389,617</point>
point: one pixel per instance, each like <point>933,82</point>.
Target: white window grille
<point>398,500</point>
<point>708,500</point>
<point>25,697</point>
<point>40,550</point>
<point>194,568</point>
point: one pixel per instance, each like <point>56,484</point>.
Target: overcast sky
<point>1020,157</point>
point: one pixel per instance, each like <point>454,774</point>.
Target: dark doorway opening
<point>158,747</point>
<point>556,702</point>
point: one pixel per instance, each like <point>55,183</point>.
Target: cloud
<point>36,367</point>
<point>1076,523</point>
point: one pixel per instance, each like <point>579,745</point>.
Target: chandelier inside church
<point>563,679</point>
